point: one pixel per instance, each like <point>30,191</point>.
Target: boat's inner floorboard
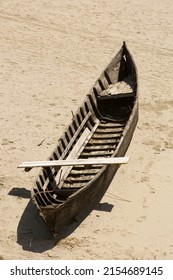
<point>102,144</point>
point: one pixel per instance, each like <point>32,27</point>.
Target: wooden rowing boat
<point>102,128</point>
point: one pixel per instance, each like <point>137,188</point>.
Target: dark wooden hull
<point>108,120</point>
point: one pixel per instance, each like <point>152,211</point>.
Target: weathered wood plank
<point>106,136</point>
<point>116,95</point>
<point>73,162</point>
<point>109,130</point>
<point>99,147</point>
<point>78,185</point>
<point>83,172</point>
<point>110,125</point>
<point>74,152</point>
<point>103,141</point>
<point>104,153</point>
<point>71,179</point>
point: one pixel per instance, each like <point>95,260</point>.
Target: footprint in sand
<point>141,219</point>
<point>6,142</point>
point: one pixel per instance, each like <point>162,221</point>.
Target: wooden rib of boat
<point>101,128</point>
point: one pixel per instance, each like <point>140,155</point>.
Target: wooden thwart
<point>74,162</point>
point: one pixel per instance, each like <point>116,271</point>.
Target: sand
<point>51,53</point>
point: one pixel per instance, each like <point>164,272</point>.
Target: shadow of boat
<point>33,234</point>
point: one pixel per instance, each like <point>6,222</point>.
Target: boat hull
<point>98,110</point>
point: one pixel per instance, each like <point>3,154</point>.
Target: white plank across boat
<point>73,162</point>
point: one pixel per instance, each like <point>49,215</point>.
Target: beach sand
<point>51,54</point>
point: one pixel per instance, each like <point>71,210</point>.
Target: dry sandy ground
<point>51,52</point>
